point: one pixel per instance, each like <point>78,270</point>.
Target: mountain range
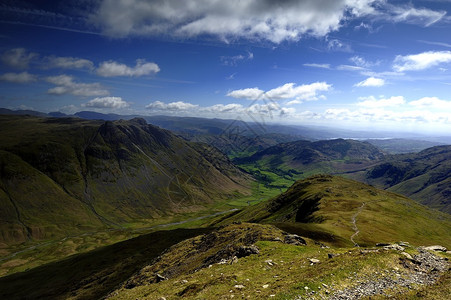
<point>66,175</point>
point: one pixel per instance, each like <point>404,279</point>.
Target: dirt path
<point>354,225</point>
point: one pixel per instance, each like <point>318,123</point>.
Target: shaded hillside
<point>423,176</point>
<point>70,175</point>
<point>288,162</point>
<point>333,209</point>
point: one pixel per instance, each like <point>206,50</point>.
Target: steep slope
<point>423,176</point>
<point>344,212</point>
<point>103,174</point>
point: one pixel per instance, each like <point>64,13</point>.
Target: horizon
<point>369,65</point>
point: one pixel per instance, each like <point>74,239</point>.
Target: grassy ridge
<point>324,207</point>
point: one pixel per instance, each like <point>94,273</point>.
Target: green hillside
<point>332,209</point>
<point>424,176</point>
<point>67,175</point>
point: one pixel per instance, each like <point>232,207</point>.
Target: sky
<point>363,64</point>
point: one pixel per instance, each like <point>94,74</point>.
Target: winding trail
<point>354,225</point>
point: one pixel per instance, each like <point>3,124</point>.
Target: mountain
<point>316,240</point>
<point>343,212</point>
<point>61,176</point>
<point>300,159</point>
<point>399,146</point>
<point>423,176</point>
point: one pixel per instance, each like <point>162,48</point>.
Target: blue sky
<point>349,63</point>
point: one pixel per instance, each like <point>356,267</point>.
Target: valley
<point>100,196</point>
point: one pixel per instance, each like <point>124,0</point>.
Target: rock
<point>244,251</point>
<point>382,244</point>
<point>436,248</point>
<point>270,262</point>
<point>407,255</point>
<point>277,239</point>
<point>404,244</point>
<point>265,286</point>
<point>159,278</point>
<point>332,255</point>
<point>294,239</point>
<point>314,260</point>
<point>234,260</point>
<point>239,286</point>
<point>394,247</point>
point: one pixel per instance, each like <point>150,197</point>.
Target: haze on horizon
<point>362,64</point>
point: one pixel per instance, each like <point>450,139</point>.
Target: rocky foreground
<point>250,261</point>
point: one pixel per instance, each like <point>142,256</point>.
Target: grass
<point>91,275</point>
<point>279,271</point>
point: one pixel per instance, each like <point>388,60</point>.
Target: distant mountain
<point>92,115</point>
<point>331,209</point>
<point>423,176</point>
<point>66,175</point>
<point>328,156</point>
<point>398,146</point>
<point>5,111</point>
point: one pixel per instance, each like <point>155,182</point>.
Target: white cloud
<point>301,92</point>
<point>412,15</point>
<point>249,93</point>
<point>228,108</point>
<point>432,102</point>
<point>371,81</point>
<point>18,58</point>
<point>172,106</point>
<point>112,68</point>
<point>284,92</point>
<point>107,102</point>
<point>351,68</point>
<point>321,66</point>
<point>67,63</point>
<point>339,46</point>
<point>23,77</point>
<point>66,85</point>
<point>361,62</point>
<point>372,102</point>
<point>234,60</point>
<point>421,61</point>
<point>275,21</point>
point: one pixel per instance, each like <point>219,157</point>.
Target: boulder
<point>294,239</point>
<point>436,248</point>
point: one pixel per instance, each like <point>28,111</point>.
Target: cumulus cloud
<point>284,92</point>
<point>23,77</point>
<point>172,106</point>
<point>421,61</point>
<point>372,102</point>
<point>66,85</point>
<point>371,81</point>
<point>432,102</point>
<point>275,21</point>
<point>107,102</point>
<point>249,93</point>
<point>112,69</point>
<point>67,63</point>
<point>18,58</point>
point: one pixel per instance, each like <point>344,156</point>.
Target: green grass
<point>285,278</point>
<point>91,275</point>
